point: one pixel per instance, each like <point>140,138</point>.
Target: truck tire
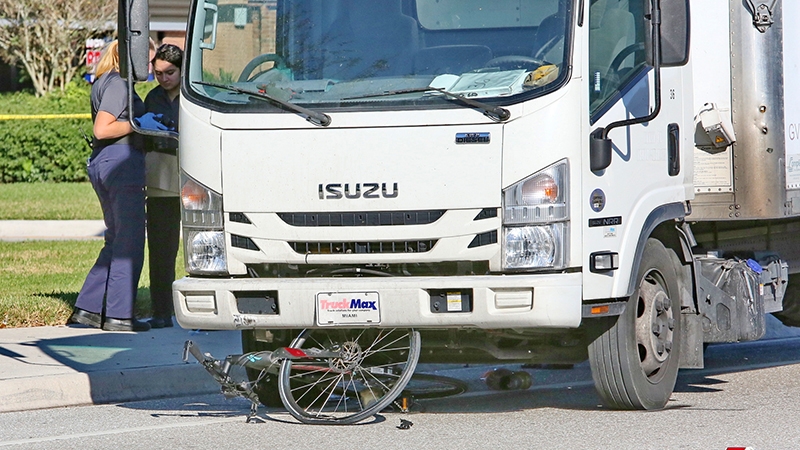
<point>634,360</point>
<point>790,316</point>
<point>267,386</point>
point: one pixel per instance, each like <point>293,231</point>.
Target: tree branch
<point>48,36</point>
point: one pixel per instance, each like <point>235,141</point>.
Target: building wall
<point>168,21</point>
<point>257,36</point>
<point>169,15</point>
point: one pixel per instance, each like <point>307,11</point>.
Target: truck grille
<point>361,219</point>
<point>336,248</point>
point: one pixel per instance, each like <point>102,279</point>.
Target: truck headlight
<point>205,252</point>
<point>540,246</point>
<point>203,232</point>
<point>536,220</point>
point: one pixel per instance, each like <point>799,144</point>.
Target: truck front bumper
<point>487,302</point>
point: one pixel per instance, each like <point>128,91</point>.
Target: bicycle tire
<point>353,387</point>
<point>431,386</point>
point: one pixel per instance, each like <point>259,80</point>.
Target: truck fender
<point>661,214</point>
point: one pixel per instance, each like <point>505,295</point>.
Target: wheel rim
<point>372,369</point>
<point>655,324</point>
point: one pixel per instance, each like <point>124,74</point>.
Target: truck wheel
<point>790,316</point>
<point>266,386</point>
<point>634,362</point>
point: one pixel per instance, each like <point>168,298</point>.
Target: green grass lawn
<point>48,201</point>
<point>41,280</point>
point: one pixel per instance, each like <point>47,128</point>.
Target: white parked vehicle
<point>538,181</point>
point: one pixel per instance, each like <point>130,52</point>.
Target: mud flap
<point>692,342</point>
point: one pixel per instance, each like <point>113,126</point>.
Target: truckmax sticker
<point>336,191</point>
<point>347,307</point>
<point>355,303</point>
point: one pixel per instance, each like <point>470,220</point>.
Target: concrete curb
<point>78,389</point>
<point>50,367</point>
<point>20,230</point>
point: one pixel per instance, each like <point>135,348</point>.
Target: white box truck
<point>537,181</point>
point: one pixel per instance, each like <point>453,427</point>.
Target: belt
<point>130,139</point>
<point>127,139</point>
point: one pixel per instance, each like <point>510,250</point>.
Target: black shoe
<point>158,322</point>
<point>111,324</point>
<point>84,317</point>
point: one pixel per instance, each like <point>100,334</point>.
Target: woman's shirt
<point>162,163</point>
<point>110,94</point>
<point>158,102</point>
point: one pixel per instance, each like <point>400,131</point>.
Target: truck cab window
<point>616,47</point>
<point>340,54</point>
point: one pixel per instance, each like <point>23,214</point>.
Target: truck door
<point>645,176</point>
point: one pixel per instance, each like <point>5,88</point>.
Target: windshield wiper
<point>496,113</point>
<point>317,118</point>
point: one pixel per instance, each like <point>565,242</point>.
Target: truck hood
<point>362,169</point>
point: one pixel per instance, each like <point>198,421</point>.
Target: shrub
<point>43,150</point>
<point>47,149</point>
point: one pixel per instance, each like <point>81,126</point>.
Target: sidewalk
<point>47,367</point>
<point>20,230</point>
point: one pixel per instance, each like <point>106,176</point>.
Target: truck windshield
<point>343,53</point>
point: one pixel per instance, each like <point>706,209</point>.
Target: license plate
<point>348,308</point>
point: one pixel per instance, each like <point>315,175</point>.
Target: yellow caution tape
<point>44,116</point>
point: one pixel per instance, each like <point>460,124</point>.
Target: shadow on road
<point>570,389</point>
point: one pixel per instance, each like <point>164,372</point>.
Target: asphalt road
<point>746,396</point>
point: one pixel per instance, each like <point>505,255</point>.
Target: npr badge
<point>597,200</point>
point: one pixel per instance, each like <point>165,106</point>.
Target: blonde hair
<point>109,61</point>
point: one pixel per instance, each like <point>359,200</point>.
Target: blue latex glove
<point>151,121</point>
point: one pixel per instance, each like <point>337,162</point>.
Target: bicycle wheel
<point>373,368</point>
<point>427,386</point>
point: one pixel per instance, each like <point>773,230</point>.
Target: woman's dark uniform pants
<point>164,215</point>
<point>117,175</point>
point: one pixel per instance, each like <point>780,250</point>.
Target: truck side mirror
<point>133,23</point>
<point>674,32</point>
<point>600,150</point>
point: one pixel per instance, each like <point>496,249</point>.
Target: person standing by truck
<point>163,196</point>
<point>116,170</point>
